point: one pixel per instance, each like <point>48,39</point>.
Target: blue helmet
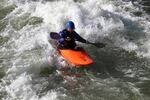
<point>70,25</point>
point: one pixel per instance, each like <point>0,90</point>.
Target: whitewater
<point>28,60</point>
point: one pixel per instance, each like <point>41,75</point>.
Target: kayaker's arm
<point>79,38</point>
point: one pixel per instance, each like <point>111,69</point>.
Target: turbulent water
<point>121,70</point>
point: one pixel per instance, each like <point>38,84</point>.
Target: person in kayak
<point>69,37</point>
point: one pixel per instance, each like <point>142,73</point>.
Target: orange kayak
<point>78,58</point>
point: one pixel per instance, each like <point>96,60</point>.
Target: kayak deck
<point>78,58</point>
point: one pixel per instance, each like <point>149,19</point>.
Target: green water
<point>117,73</point>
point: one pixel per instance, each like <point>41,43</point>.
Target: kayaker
<point>69,36</point>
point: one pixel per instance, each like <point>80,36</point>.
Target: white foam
<point>93,19</point>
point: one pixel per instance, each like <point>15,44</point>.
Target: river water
<point>121,70</point>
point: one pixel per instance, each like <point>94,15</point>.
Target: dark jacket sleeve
<point>79,38</point>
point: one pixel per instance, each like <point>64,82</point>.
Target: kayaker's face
<point>70,30</point>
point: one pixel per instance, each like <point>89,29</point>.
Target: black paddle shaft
<point>56,36</point>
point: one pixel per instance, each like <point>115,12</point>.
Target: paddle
<point>56,36</point>
<point>98,45</point>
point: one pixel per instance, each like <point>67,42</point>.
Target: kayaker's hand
<point>68,39</point>
<point>99,45</point>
